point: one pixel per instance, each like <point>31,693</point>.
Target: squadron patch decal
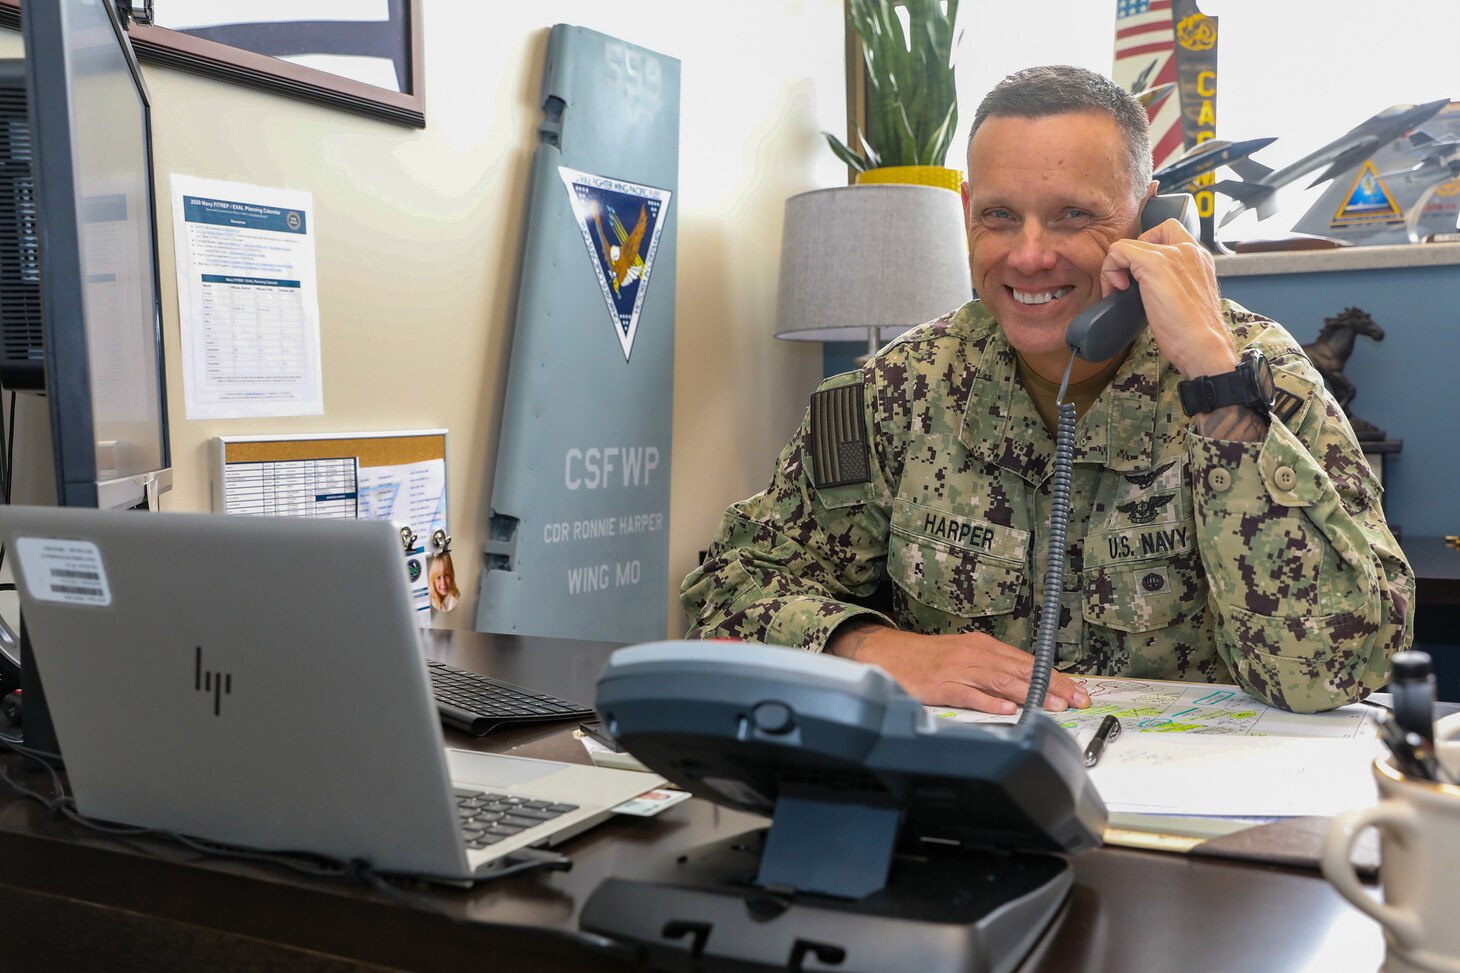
<point>1368,201</point>
<point>621,223</point>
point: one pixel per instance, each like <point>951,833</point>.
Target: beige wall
<point>419,232</point>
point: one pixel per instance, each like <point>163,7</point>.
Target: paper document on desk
<point>1159,706</point>
<point>1236,776</point>
<point>1212,749</point>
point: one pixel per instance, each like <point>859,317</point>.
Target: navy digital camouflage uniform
<point>1189,558</point>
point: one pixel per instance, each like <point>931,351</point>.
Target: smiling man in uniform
<point>1226,530</point>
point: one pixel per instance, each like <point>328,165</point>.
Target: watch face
<point>1262,372</point>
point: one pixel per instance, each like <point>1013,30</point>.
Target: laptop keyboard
<point>488,818</point>
<point>478,704</point>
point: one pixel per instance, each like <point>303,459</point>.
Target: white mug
<point>1447,744</point>
<point>1419,840</point>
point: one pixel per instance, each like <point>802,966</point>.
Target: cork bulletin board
<point>395,476</point>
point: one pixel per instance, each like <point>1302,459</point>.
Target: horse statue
<point>1331,349</point>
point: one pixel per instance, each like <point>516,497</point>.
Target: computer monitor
<point>90,244</point>
<point>80,315</point>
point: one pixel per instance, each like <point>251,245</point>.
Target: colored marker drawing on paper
<point>1154,706</point>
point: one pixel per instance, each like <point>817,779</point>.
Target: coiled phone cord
<point>1054,572</point>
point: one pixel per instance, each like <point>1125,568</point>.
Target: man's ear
<point>1140,210</point>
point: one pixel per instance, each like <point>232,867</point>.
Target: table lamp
<point>869,262</point>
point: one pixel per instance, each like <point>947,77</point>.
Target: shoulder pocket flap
<point>831,498</point>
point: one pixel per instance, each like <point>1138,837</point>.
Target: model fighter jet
<point>1439,159</point>
<point>1259,185</point>
<point>1150,98</point>
<point>1204,158</point>
<point>1439,164</point>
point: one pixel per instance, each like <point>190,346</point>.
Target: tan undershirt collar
<point>1083,394</point>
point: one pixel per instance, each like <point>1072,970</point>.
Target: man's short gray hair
<point>1059,89</point>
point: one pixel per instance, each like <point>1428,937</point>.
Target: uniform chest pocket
<point>1143,596</point>
<point>951,579</point>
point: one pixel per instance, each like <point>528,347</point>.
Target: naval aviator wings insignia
<point>621,223</point>
<point>1145,509</point>
<point>1144,480</point>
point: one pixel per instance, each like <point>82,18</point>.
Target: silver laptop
<point>259,681</point>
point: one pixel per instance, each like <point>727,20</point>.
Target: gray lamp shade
<point>861,257</point>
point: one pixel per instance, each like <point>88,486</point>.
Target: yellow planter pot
<point>913,176</point>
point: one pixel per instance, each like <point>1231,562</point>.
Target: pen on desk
<point>1109,730</point>
<point>1402,745</point>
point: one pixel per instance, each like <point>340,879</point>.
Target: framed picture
<point>362,56</point>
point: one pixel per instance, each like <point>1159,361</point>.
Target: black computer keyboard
<point>478,704</point>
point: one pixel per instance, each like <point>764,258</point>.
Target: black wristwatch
<point>1249,384</point>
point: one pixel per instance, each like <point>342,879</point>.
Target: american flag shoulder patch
<point>838,438</point>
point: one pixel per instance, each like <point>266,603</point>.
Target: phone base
<point>953,912</point>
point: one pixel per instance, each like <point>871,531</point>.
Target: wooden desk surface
<point>74,900</point>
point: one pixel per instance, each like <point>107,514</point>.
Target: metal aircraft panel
<point>578,544</point>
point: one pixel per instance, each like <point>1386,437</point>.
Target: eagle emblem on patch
<point>1144,510</point>
<point>621,223</point>
<point>1144,480</point>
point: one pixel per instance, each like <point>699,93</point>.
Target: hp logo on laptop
<point>220,684</point>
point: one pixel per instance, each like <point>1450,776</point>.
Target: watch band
<point>1237,387</point>
<point>1208,392</point>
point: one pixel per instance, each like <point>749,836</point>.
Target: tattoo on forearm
<point>1236,423</point>
<point>847,640</point>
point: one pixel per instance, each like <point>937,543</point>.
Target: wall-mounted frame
<point>252,53</point>
<point>856,85</point>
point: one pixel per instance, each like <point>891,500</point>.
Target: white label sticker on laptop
<point>63,570</point>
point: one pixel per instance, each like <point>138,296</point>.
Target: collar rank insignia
<point>621,223</point>
<point>1144,480</point>
<point>1144,510</point>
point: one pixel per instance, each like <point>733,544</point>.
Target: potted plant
<point>912,104</point>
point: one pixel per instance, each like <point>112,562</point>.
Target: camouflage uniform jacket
<point>1189,558</point>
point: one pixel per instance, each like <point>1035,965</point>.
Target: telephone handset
<point>1099,332</point>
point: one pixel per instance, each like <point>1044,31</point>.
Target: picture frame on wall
<point>361,56</point>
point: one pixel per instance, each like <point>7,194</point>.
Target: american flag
<point>1145,56</point>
